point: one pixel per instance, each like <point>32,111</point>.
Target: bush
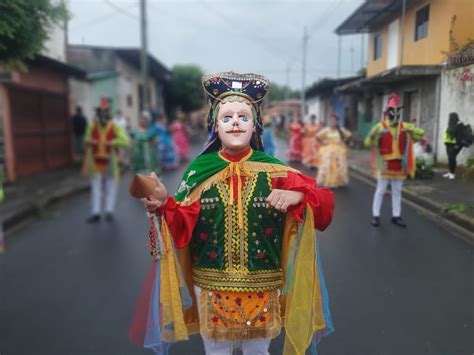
<point>468,174</point>
<point>424,170</point>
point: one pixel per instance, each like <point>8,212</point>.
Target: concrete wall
<point>105,87</point>
<point>457,95</point>
<point>314,107</point>
<point>128,82</point>
<point>428,107</point>
<point>127,92</point>
<point>80,93</point>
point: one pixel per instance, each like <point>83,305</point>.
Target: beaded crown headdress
<point>251,87</point>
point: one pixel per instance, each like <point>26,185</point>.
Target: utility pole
<point>303,73</point>
<point>144,55</point>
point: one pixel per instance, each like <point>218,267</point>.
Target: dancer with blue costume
<point>165,149</point>
<point>235,252</point>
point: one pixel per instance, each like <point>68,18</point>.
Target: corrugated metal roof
<point>371,15</point>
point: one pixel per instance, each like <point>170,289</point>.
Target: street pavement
<point>67,287</point>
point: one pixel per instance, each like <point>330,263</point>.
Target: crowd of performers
<point>154,146</point>
<point>393,154</point>
<point>322,148</point>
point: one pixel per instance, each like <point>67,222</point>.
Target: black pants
<point>452,150</point>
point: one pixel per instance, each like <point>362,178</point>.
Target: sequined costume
<point>253,268</point>
<point>333,168</point>
<point>393,157</point>
<point>101,161</point>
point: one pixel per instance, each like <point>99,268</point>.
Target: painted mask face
<point>235,125</point>
<point>394,114</point>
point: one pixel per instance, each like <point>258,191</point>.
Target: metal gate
<point>41,130</point>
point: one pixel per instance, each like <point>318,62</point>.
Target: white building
<point>115,73</point>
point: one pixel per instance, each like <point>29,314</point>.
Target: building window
<point>129,101</point>
<point>377,46</point>
<point>421,22</point>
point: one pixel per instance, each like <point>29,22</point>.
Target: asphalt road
<point>67,287</point>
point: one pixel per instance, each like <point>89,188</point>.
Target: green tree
<point>24,28</point>
<point>184,90</point>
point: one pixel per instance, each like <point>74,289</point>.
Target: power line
<point>121,10</point>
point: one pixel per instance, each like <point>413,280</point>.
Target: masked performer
<point>103,138</point>
<point>393,158</point>
<point>244,224</point>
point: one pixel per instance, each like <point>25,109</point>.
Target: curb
<point>32,210</point>
<point>464,224</point>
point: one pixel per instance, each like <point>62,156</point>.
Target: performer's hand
<point>158,197</point>
<point>282,199</point>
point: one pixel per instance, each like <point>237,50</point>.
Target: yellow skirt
<point>333,170</point>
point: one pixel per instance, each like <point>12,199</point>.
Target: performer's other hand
<point>282,199</point>
<point>158,197</point>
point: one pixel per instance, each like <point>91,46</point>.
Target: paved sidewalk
<point>29,196</point>
<point>451,199</point>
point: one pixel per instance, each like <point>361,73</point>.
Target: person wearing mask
<point>394,158</point>
<point>244,222</point>
<point>103,138</point>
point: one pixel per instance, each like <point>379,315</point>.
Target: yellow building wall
<point>433,48</point>
<point>463,29</point>
<point>379,65</point>
<point>428,50</point>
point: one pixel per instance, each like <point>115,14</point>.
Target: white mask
<point>235,125</point>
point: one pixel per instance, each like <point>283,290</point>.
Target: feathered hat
<point>252,87</point>
<point>393,102</point>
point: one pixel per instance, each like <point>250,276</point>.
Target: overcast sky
<point>260,36</point>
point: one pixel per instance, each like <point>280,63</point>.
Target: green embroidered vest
<point>226,258</point>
